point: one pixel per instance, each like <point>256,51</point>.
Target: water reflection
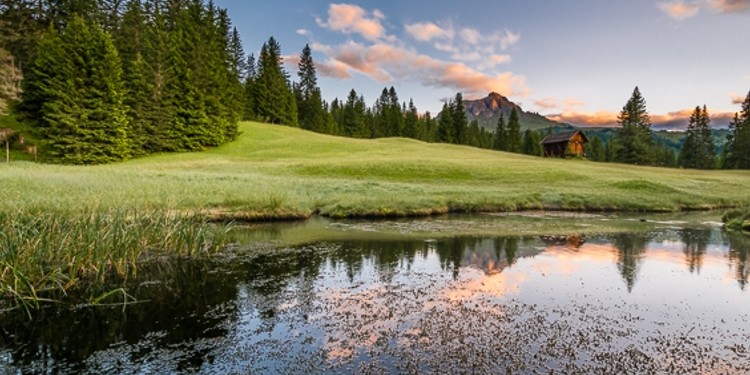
<point>379,303</point>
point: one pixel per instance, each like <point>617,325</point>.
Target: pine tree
<point>74,95</point>
<point>634,143</point>
<point>500,136</point>
<point>738,145</point>
<point>514,140</point>
<point>354,116</point>
<point>596,151</point>
<point>445,124</point>
<point>698,150</point>
<point>531,143</point>
<point>312,115</point>
<point>249,102</point>
<point>275,100</point>
<point>411,122</point>
<point>460,122</point>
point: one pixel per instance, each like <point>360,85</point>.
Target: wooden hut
<point>565,144</point>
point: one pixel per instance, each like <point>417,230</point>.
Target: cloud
<point>737,98</point>
<point>679,9</point>
<point>303,32</point>
<point>598,119</point>
<point>730,6</point>
<point>427,31</point>
<point>466,44</point>
<point>387,63</point>
<point>546,103</point>
<point>352,19</point>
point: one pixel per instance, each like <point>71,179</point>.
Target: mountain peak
<point>487,110</point>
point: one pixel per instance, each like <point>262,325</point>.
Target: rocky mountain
<point>487,111</point>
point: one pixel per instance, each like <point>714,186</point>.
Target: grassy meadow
<point>68,227</point>
<point>280,172</point>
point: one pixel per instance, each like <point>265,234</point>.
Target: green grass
<point>281,172</point>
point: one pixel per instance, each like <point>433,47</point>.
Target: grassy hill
<point>281,172</point>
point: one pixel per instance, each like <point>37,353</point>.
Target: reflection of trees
<point>630,250</point>
<point>739,257</point>
<point>507,248</point>
<point>695,242</point>
<point>178,305</point>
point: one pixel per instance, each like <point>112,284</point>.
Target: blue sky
<point>575,61</point>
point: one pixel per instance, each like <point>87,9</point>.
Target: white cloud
<point>679,9</point>
<point>352,19</point>
<point>303,32</point>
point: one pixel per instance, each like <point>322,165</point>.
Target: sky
<point>575,61</point>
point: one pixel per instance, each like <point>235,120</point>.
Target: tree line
<point>112,79</point>
<point>634,141</point>
<point>107,80</point>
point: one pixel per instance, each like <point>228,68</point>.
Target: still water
<point>667,299</point>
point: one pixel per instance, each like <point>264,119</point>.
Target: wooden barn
<point>556,145</point>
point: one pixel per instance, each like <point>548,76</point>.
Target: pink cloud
<point>679,9</point>
<point>546,103</point>
<point>737,99</point>
<point>730,6</point>
<point>427,31</point>
<point>352,19</point>
<point>599,118</point>
<point>386,63</point>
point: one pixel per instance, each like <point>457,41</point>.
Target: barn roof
<point>563,137</point>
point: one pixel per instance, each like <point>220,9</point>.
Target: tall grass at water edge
<point>44,256</point>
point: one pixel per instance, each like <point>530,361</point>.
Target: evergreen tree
<point>354,117</point>
<point>596,150</point>
<point>411,122</point>
<point>445,124</point>
<point>460,123</point>
<point>250,90</point>
<point>501,134</point>
<point>274,99</point>
<point>634,143</point>
<point>311,113</point>
<point>74,95</point>
<point>514,140</point>
<point>738,145</point>
<point>531,143</point>
<point>698,151</point>
<point>395,115</point>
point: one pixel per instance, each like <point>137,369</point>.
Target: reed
<point>47,256</point>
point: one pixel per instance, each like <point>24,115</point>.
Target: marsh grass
<point>45,256</point>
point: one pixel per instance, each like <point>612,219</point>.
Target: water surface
<point>670,298</point>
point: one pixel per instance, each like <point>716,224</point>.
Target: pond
<point>598,294</point>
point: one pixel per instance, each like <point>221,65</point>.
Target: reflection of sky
<point>666,295</point>
<point>344,306</point>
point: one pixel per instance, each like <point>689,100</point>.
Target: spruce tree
<point>634,143</point>
<point>698,150</point>
<point>514,140</point>
<point>501,134</point>
<point>275,101</point>
<point>738,145</point>
<point>74,95</point>
<point>531,145</point>
<point>249,102</point>
<point>445,124</point>
<point>311,112</point>
<point>460,122</point>
<point>411,122</point>
<point>596,150</point>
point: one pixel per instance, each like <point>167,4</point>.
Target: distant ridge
<point>487,111</point>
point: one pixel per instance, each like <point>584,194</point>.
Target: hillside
<point>487,111</point>
<point>276,171</point>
